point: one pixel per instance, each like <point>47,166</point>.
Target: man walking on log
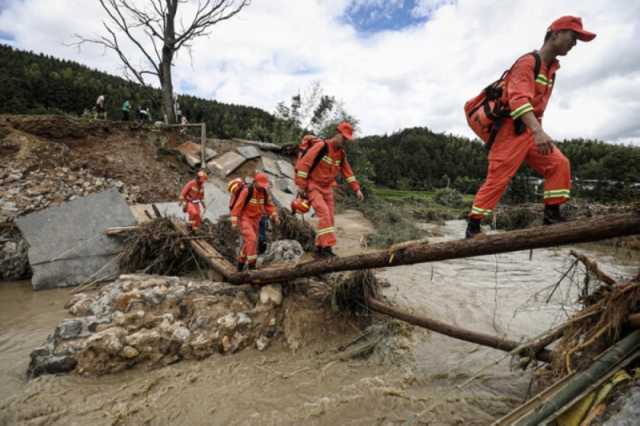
<point>191,197</point>
<point>252,203</point>
<point>519,135</point>
<point>316,176</point>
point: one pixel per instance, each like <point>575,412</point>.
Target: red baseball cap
<point>261,179</point>
<point>572,23</point>
<point>345,129</point>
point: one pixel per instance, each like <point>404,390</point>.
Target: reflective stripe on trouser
<point>249,231</point>
<point>321,200</point>
<point>193,211</point>
<point>507,154</point>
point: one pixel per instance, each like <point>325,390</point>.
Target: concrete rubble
<point>226,164</point>
<point>192,153</point>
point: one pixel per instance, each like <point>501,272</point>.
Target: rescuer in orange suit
<point>527,97</point>
<point>252,203</point>
<point>318,185</point>
<point>192,196</point>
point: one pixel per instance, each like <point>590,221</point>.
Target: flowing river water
<point>505,295</point>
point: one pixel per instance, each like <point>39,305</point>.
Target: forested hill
<point>37,84</point>
<point>419,159</point>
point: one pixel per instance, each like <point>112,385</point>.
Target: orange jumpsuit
<point>523,93</point>
<point>249,218</point>
<point>193,194</point>
<point>319,186</point>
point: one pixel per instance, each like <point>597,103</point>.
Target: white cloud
<point>420,76</point>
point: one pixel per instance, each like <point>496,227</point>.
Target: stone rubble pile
<point>14,262</point>
<point>24,191</point>
<point>157,320</point>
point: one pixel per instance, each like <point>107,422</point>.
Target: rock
<point>226,344</point>
<point>14,260</point>
<point>229,321</point>
<point>129,352</point>
<point>271,294</point>
<point>144,340</point>
<point>50,364</point>
<point>262,343</point>
<point>283,251</point>
<point>243,319</point>
<point>68,329</point>
<point>181,334</point>
<point>108,341</point>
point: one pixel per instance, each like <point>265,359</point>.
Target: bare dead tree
<point>150,26</point>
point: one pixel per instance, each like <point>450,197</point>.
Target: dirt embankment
<point>51,159</point>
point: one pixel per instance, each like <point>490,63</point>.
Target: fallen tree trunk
<point>206,251</point>
<point>569,233</point>
<point>452,331</point>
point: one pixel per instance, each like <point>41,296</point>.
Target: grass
<point>422,205</point>
<point>394,213</point>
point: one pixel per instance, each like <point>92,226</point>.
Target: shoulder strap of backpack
<point>538,64</point>
<point>249,195</point>
<point>323,151</point>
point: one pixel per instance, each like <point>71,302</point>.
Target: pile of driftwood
<point>611,310</point>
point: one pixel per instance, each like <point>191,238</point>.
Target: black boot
<point>318,252</point>
<point>552,215</point>
<point>240,266</point>
<point>327,252</point>
<point>251,267</point>
<point>473,228</point>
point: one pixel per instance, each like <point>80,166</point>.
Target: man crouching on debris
<point>191,197</point>
<point>316,174</point>
<point>252,203</point>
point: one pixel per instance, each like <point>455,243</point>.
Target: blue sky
<point>375,16</point>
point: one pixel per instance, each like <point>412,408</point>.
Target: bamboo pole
<point>588,230</point>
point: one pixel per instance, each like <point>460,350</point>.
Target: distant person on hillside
<point>126,106</point>
<point>183,123</point>
<point>100,110</point>
<point>518,135</point>
<point>143,114</point>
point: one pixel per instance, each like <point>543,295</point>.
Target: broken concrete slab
<point>281,198</point>
<point>286,185</point>
<point>286,169</point>
<point>192,153</point>
<point>67,244</point>
<point>226,163</point>
<point>249,152</point>
<point>266,146</point>
<point>270,166</point>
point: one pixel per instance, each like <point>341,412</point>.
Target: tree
<point>152,30</point>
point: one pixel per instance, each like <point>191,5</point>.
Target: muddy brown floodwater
<point>427,383</point>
